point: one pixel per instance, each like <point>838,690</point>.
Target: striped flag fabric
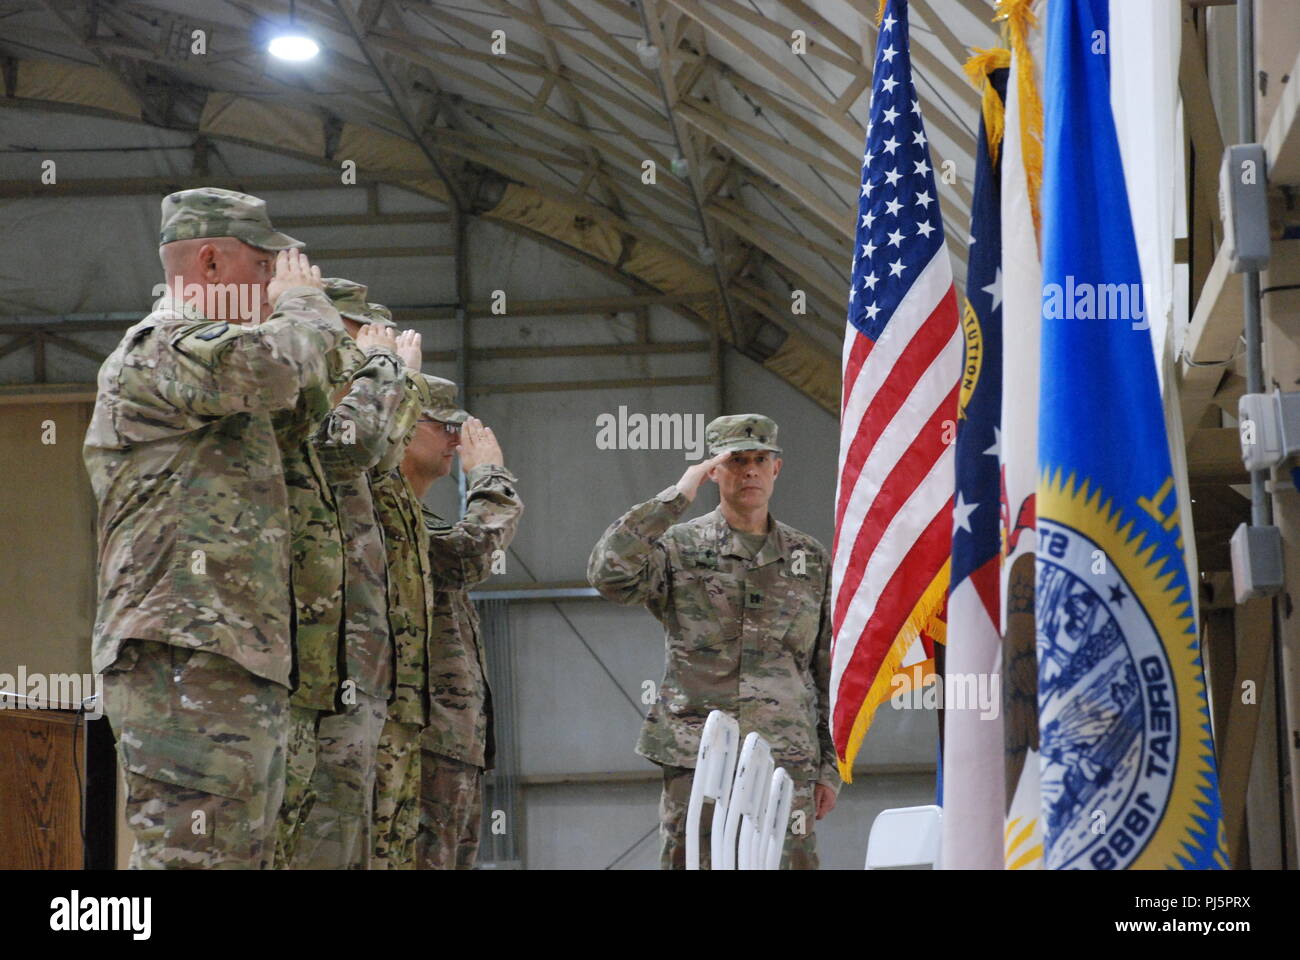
<point>1128,777</point>
<point>973,804</point>
<point>901,364</point>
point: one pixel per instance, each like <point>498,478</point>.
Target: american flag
<point>901,364</point>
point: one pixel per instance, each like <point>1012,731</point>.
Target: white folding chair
<point>776,818</point>
<point>753,827</point>
<point>905,837</point>
<point>748,796</point>
<point>715,766</point>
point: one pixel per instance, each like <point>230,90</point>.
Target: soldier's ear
<point>206,258</point>
<point>776,466</point>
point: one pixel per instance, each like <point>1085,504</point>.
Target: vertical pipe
<point>462,323</point>
<point>717,372</point>
<point>514,837</point>
<point>1261,510</point>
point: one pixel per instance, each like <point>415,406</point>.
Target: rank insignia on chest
<point>703,558</point>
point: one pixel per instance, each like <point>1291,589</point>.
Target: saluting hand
<point>478,445</point>
<point>408,348</point>
<point>690,482</point>
<point>376,335</point>
<point>292,269</point>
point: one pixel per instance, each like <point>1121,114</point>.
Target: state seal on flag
<point>1120,750</point>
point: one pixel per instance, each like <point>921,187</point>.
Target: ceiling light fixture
<point>292,44</point>
<point>648,54</point>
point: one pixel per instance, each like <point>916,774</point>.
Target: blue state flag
<point>1127,760</point>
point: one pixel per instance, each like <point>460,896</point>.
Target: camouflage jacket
<point>748,636</point>
<point>193,513</point>
<point>410,594</point>
<point>461,555</point>
<point>316,562</point>
<point>365,434</point>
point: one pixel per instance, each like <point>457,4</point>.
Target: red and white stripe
<point>893,515</point>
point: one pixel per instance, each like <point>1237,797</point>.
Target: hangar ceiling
<point>542,116</point>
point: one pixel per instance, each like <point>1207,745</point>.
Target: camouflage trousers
<point>337,833</point>
<point>397,797</point>
<point>451,809</point>
<point>800,852</point>
<point>201,742</point>
<point>299,794</point>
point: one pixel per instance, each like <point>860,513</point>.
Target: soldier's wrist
<point>671,495</point>
<point>831,782</point>
<point>483,471</point>
<point>302,290</point>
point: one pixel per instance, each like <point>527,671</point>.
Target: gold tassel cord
<point>880,12</point>
<point>1018,17</point>
<point>978,68</point>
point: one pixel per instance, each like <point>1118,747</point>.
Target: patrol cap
<point>380,314</point>
<point>214,212</point>
<point>349,298</point>
<point>741,431</point>
<point>443,407</point>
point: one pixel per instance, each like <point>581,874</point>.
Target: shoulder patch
<point>205,340</point>
<point>216,330</point>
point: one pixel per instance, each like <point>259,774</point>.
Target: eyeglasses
<point>452,428</point>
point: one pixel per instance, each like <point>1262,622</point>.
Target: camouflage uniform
<point>451,810</point>
<point>193,620</point>
<point>361,438</point>
<point>410,612</point>
<point>301,749</point>
<point>746,632</point>
<point>201,743</point>
<point>396,797</point>
<point>458,745</point>
<point>317,575</point>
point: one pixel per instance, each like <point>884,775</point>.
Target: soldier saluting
<point>744,600</point>
<point>457,744</point>
<point>192,629</point>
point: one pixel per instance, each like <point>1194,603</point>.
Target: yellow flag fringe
<point>924,617</point>
<point>978,68</point>
<point>1018,16</point>
<point>880,12</point>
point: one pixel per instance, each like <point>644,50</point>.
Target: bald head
<point>234,274</point>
